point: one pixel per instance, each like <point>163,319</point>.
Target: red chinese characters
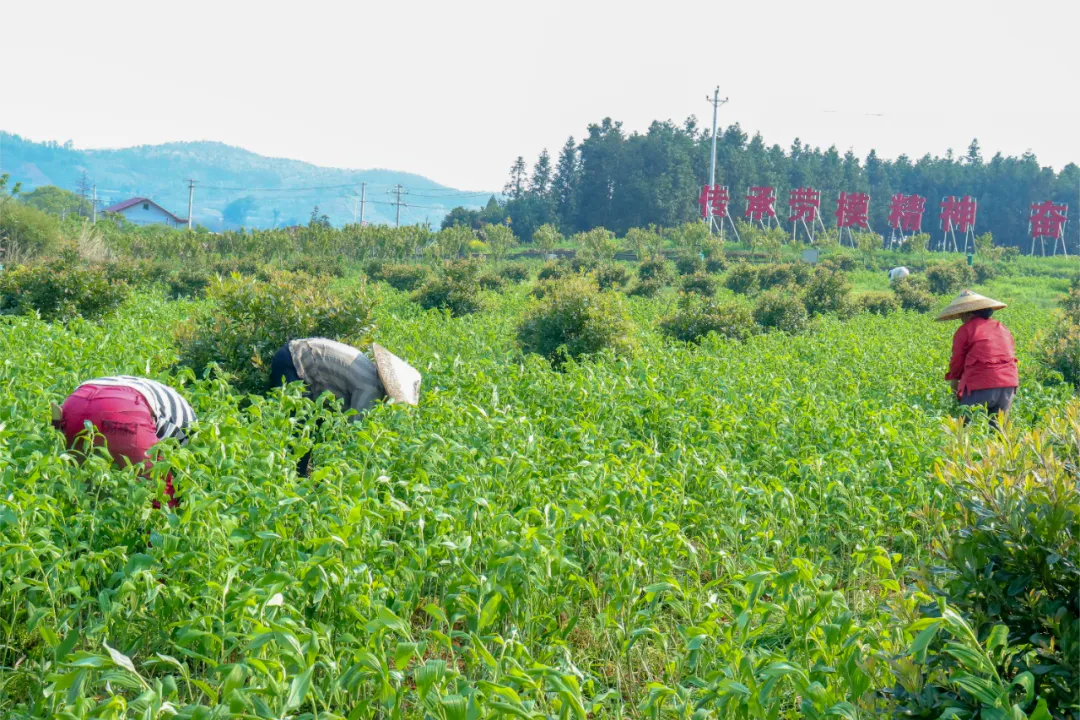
<point>714,198</point>
<point>958,214</point>
<point>852,210</point>
<point>1048,219</point>
<point>906,212</point>
<point>760,203</point>
<point>805,204</point>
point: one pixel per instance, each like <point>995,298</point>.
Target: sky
<point>456,90</point>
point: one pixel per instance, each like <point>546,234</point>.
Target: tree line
<point>619,180</point>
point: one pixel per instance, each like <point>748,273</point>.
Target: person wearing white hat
<point>325,365</point>
<point>983,370</point>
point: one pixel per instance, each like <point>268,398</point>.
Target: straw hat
<point>400,379</point>
<point>968,301</point>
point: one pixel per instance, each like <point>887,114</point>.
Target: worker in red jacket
<point>983,369</point>
<point>129,415</point>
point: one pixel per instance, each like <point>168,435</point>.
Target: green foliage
<point>949,278</point>
<point>575,319</point>
<point>839,261</point>
<point>554,269</point>
<point>913,292</point>
<point>715,264</point>
<point>547,238</point>
<point>401,276</point>
<point>916,244</point>
<point>57,201</point>
<point>742,278</point>
<point>698,316</point>
<point>453,241</point>
<point>26,233</point>
<point>657,269</point>
<point>456,289</point>
<point>689,263</point>
<point>781,309</point>
<point>691,237</point>
<point>60,291</point>
<point>646,288</point>
<point>499,239</point>
<point>879,303</point>
<point>1010,569</point>
<point>700,284</point>
<point>984,271</point>
<point>598,245</point>
<point>317,266</point>
<point>647,243</point>
<point>611,276</point>
<point>490,280</point>
<point>251,319</point>
<point>1059,350</point>
<point>515,272</point>
<point>827,291</point>
<point>783,275</point>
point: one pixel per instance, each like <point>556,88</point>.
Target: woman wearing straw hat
<point>983,367</point>
<point>343,371</point>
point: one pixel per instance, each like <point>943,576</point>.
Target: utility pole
<point>190,201</point>
<point>94,221</point>
<point>84,192</point>
<point>716,103</point>
<point>363,198</point>
<point>398,191</point>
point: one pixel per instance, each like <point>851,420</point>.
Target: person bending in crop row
<point>983,370</point>
<point>346,373</point>
<point>130,415</point>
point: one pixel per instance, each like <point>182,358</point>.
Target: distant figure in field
<point>983,369</point>
<point>343,371</point>
<point>130,414</point>
<point>898,273</point>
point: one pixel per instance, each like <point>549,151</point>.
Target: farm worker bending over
<point>130,415</point>
<point>983,367</point>
<point>898,273</point>
<point>328,366</point>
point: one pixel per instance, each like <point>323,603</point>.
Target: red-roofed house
<point>144,211</point>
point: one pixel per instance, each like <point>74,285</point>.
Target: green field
<point>736,529</point>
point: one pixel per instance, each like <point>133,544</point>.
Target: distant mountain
<point>233,187</point>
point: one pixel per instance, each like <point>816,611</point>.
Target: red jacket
<point>983,357</point>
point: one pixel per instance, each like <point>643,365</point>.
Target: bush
<point>373,269</point>
<point>188,282</point>
<point>781,310</point>
<point>317,266</point>
<point>60,291</point>
<point>403,277</point>
<point>465,270</point>
<point>646,288</point>
<point>26,233</point>
<point>913,293</point>
<point>879,303</point>
<point>656,269</point>
<point>949,278</point>
<point>743,278</point>
<point>611,276</point>
<point>251,319</point>
<point>460,297</point>
<point>841,262</point>
<point>700,284</point>
<point>984,271</point>
<point>1011,569</point>
<point>491,281</point>
<point>554,270</point>
<point>827,291</point>
<point>715,264</point>
<point>697,317</point>
<point>1059,350</point>
<point>515,272</point>
<point>689,263</point>
<point>783,275</point>
<point>573,320</point>
<point>136,273</point>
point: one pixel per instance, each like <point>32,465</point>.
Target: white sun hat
<point>968,301</point>
<point>400,379</point>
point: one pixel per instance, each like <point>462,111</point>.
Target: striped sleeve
<point>172,413</point>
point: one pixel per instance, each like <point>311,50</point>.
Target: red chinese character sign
<point>1048,220</point>
<point>958,215</point>
<point>852,211</point>
<point>761,205</point>
<point>906,212</point>
<point>714,201</point>
<point>805,206</point>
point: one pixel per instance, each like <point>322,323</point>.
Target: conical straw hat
<point>400,379</point>
<point>968,301</point>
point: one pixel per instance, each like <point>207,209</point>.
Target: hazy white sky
<point>456,90</point>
